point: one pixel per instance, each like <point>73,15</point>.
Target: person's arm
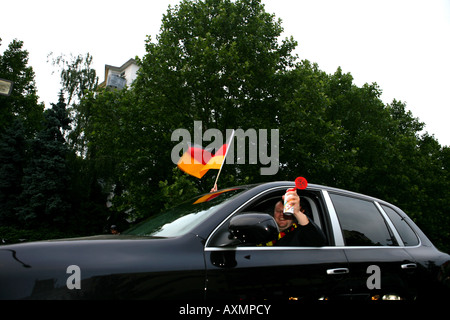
<point>310,234</point>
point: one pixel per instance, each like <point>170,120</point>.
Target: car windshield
<point>183,218</point>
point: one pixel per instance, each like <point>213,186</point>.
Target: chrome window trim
<point>276,248</point>
<point>335,225</point>
<point>232,213</point>
<point>269,248</point>
<point>390,224</point>
<point>245,203</point>
<point>335,228</point>
<point>410,227</point>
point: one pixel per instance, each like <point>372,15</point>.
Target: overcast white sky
<point>402,45</point>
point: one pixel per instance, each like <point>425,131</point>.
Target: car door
<point>275,273</point>
<point>379,266</point>
<point>295,273</point>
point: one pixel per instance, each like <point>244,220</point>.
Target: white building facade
<point>119,77</point>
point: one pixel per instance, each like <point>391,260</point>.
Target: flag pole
<point>224,158</point>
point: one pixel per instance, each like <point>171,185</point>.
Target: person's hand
<point>214,189</point>
<point>294,200</point>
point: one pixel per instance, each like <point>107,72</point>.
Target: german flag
<point>197,161</point>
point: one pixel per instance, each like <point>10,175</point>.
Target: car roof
<point>313,186</point>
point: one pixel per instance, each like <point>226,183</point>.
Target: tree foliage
<point>42,184</point>
<point>77,75</point>
<point>46,183</point>
<point>20,119</point>
<point>23,102</point>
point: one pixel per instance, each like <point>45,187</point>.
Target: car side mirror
<point>253,228</point>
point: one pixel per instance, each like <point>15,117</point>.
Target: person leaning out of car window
<point>296,229</point>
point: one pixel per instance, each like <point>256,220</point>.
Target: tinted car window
<point>406,233</point>
<point>361,222</point>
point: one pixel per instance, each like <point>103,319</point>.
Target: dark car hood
<point>34,268</point>
<point>104,237</point>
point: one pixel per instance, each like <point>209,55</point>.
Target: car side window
<point>361,222</point>
<point>408,236</point>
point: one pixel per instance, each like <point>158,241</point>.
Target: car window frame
<point>396,211</point>
<point>392,230</point>
<point>328,218</point>
<point>391,225</point>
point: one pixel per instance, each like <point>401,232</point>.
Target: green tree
<point>216,61</point>
<point>23,101</point>
<point>45,183</point>
<point>20,119</point>
<point>77,75</point>
<point>120,148</point>
<point>89,176</point>
<point>77,79</point>
<point>12,161</point>
<point>311,144</point>
<point>428,204</point>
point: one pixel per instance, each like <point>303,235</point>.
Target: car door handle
<point>408,266</point>
<point>338,271</point>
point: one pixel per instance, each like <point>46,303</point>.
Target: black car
<point>210,248</point>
